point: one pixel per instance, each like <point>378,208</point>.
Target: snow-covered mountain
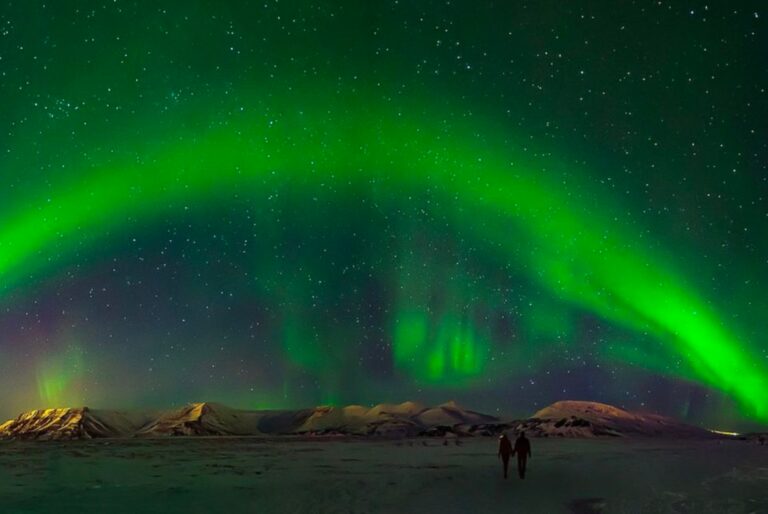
<point>213,419</point>
<point>593,419</point>
<point>451,414</point>
<point>575,419</point>
<point>203,419</point>
<point>71,423</point>
<point>383,419</point>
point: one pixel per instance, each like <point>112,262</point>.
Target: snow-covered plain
<point>232,475</point>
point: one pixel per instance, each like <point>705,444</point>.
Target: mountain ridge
<point>69,423</point>
<point>574,418</point>
<point>566,418</point>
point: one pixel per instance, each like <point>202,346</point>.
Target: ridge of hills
<point>573,419</point>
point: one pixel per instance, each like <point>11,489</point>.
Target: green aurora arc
<point>580,250</point>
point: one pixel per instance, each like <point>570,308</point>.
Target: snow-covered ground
<point>231,475</point>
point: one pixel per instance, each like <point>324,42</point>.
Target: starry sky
<point>281,204</point>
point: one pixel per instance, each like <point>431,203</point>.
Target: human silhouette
<point>523,451</point>
<point>505,451</point>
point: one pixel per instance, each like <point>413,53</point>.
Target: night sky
<point>284,204</point>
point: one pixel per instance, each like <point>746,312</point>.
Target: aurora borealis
<point>296,203</point>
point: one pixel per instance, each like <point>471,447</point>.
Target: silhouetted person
<point>761,439</point>
<point>523,451</point>
<point>505,451</point>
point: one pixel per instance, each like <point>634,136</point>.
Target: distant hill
<point>202,419</point>
<point>756,437</point>
<point>71,423</point>
<point>593,419</point>
<point>212,419</point>
<point>450,414</point>
<point>574,419</point>
<point>392,420</point>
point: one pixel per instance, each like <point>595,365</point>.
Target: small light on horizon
<point>724,432</point>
